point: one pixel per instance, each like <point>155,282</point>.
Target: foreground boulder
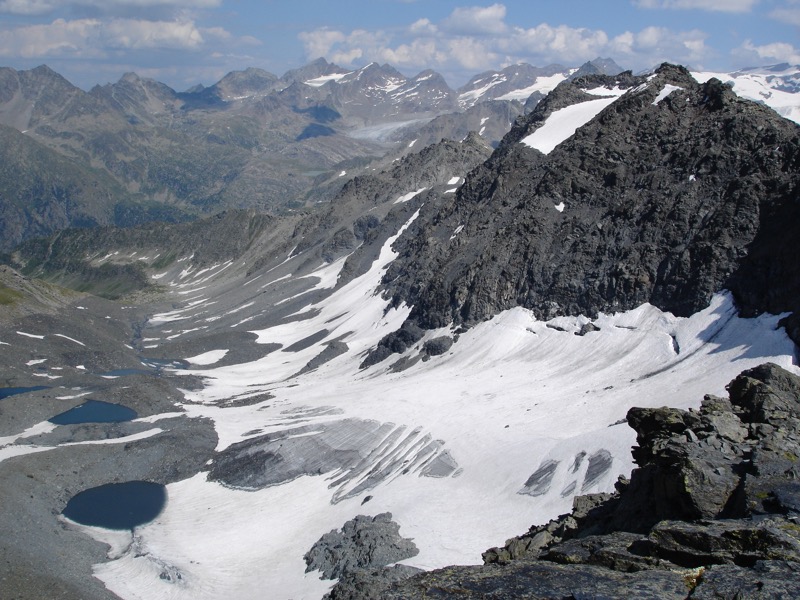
<point>712,511</point>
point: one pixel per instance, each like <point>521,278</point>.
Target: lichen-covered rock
<point>368,584</point>
<point>540,581</point>
<point>736,541</point>
<point>766,580</point>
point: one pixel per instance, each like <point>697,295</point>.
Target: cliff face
<point>712,511</point>
<point>674,191</point>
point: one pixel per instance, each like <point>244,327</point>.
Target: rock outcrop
<point>358,555</point>
<point>712,511</point>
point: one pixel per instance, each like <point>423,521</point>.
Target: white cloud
<point>27,7</point>
<point>555,44</point>
<point>731,6</point>
<point>423,27</point>
<point>471,54</point>
<point>476,20</point>
<point>40,7</point>
<point>787,15</point>
<point>137,34</point>
<point>146,3</point>
<point>475,38</point>
<point>320,42</point>
<point>59,38</point>
<point>778,52</point>
<point>347,57</point>
<point>96,38</point>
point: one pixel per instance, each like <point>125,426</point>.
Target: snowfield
<point>527,413</point>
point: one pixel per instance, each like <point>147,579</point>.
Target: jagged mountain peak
<point>138,99</point>
<point>130,76</point>
<point>599,66</point>
<point>28,98</point>
<point>427,74</point>
<point>641,202</point>
<point>44,71</point>
<point>42,79</point>
<point>313,71</point>
<point>251,82</point>
<point>374,72</point>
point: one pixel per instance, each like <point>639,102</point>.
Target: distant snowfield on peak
<point>544,85</point>
<point>511,396</point>
<point>764,85</point>
<point>323,79</point>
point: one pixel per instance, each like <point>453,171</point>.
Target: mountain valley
<point>428,340</point>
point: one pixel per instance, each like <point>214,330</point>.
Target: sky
<point>185,42</point>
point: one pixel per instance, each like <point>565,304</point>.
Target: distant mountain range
<point>137,150</point>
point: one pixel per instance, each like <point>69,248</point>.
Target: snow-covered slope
<point>777,86</point>
<point>512,404</point>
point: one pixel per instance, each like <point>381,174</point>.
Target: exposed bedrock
<point>711,511</point>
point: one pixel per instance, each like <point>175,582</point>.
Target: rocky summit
<point>675,190</point>
<point>711,511</point>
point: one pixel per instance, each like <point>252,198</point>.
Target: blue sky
<point>184,42</point>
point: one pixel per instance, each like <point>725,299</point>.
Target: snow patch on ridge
<point>408,196</point>
<point>666,91</point>
<point>604,91</point>
<point>323,79</point>
<point>563,123</point>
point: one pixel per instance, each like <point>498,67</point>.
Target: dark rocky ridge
<point>712,511</point>
<point>665,204</point>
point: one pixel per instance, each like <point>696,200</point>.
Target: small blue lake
<point>95,411</point>
<point>13,391</point>
<point>117,505</point>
